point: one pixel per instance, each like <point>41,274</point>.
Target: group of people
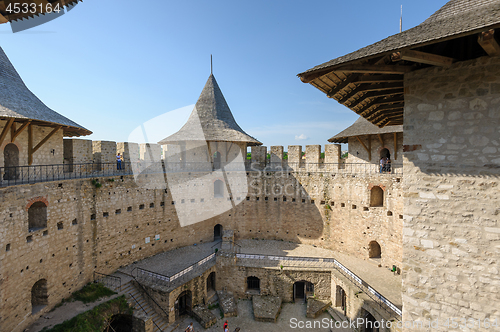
<point>385,165</point>
<point>190,328</point>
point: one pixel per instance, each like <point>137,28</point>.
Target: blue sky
<point>113,65</point>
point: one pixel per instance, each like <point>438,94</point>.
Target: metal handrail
<point>132,296</point>
<point>10,176</point>
<point>99,277</point>
<point>383,302</point>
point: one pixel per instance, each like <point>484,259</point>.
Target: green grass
<point>213,306</point>
<point>95,319</point>
<point>92,292</point>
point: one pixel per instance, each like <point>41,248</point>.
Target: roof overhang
<point>370,81</point>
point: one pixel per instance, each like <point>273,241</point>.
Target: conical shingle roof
<point>213,117</point>
<point>17,101</point>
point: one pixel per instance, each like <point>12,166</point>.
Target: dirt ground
<point>67,311</point>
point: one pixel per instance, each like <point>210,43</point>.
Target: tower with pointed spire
<point>211,133</point>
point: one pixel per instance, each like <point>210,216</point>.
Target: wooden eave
<point>373,87</point>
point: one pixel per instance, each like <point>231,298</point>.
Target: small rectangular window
<point>129,209</point>
<point>284,198</point>
<point>29,239</point>
<point>105,214</point>
<point>303,200</point>
<point>202,200</point>
<point>151,205</point>
<point>74,222</point>
<point>118,211</point>
<point>60,225</point>
<point>7,247</point>
<point>162,203</point>
<point>92,217</point>
<point>141,207</point>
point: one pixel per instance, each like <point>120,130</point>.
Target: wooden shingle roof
<point>211,120</point>
<point>370,81</point>
<point>19,103</point>
<point>362,127</point>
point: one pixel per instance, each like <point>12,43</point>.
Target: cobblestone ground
<point>246,322</point>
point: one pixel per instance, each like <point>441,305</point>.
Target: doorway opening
<point>301,290</point>
<point>183,304</point>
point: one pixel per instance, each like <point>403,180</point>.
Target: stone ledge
<point>204,316</point>
<point>316,307</point>
<point>227,304</point>
<point>266,308</point>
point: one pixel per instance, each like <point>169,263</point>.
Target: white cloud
<point>301,137</point>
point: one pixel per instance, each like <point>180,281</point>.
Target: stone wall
<point>451,227</point>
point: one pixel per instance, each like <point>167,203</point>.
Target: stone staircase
<point>137,301</point>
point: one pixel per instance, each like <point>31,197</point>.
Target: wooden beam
<point>395,146</point>
<point>380,139</point>
<point>348,96</point>
<point>12,131</point>
<point>342,85</point>
<point>385,115</point>
<point>487,41</point>
<point>375,94</point>
<point>363,144</point>
<point>308,77</point>
<point>427,58</point>
<point>6,129</point>
<point>380,79</point>
<point>380,87</point>
<point>30,144</point>
<point>370,147</point>
<point>375,69</point>
<point>43,141</point>
<point>16,133</point>
<point>3,19</point>
<point>381,109</point>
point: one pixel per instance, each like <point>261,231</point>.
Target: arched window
<point>37,216</point>
<point>217,160</point>
<point>39,297</point>
<point>376,197</point>
<point>253,284</point>
<point>218,188</point>
<point>11,162</point>
<point>374,251</point>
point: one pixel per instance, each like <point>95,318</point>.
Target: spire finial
<point>211,66</point>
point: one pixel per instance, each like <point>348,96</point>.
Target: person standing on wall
<point>382,164</point>
<point>119,160</point>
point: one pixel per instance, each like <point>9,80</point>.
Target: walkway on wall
<point>58,172</point>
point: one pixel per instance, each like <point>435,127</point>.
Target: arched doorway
<point>183,304</point>
<point>374,251</point>
<point>384,153</point>
<point>218,189</point>
<point>11,162</point>
<point>217,232</point>
<point>37,216</point>
<point>371,324</point>
<point>341,300</point>
<point>39,296</point>
<point>376,197</point>
<point>120,323</point>
<point>217,160</point>
<point>210,284</point>
<point>302,289</point>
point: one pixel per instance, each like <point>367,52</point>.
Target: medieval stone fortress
<point>189,221</point>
